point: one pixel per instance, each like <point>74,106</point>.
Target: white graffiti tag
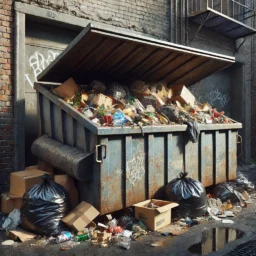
<point>135,168</point>
<point>38,62</point>
<point>216,95</point>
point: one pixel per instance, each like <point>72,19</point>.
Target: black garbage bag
<point>43,207</point>
<point>190,194</point>
<point>226,191</point>
<point>193,131</point>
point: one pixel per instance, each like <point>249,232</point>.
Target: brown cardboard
<point>101,99</point>
<point>182,94</point>
<point>10,202</point>
<point>81,216</point>
<point>45,167</point>
<point>155,218</point>
<point>68,183</point>
<point>21,235</point>
<point>67,90</point>
<point>20,182</point>
<point>31,167</point>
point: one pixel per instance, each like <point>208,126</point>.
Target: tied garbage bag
<point>43,207</point>
<point>190,194</point>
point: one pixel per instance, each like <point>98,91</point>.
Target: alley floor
<point>177,245</point>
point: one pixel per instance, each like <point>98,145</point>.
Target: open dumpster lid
<point>101,52</point>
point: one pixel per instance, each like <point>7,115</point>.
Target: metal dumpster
<point>130,164</point>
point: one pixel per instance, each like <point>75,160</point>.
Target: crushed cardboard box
<point>154,218</point>
<point>81,216</point>
<point>67,90</point>
<point>182,94</point>
<point>9,202</point>
<point>68,183</point>
<point>21,235</point>
<point>101,99</point>
<point>22,181</point>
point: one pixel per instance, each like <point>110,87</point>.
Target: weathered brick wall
<point>6,92</point>
<point>147,16</point>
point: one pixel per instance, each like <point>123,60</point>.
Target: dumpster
<point>131,164</point>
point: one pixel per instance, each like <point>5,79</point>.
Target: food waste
<point>141,104</point>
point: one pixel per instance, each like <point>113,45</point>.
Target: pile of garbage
<point>141,104</point>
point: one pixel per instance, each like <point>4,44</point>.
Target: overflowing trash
<point>139,104</point>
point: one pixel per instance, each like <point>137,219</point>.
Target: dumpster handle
<point>97,153</point>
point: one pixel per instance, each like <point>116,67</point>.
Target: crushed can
<point>65,236</point>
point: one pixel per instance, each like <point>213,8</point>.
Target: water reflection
<point>215,239</point>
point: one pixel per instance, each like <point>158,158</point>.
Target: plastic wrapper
<point>226,191</point>
<point>126,222</point>
<point>193,131</point>
<point>44,205</point>
<point>12,221</point>
<point>119,118</point>
<point>190,194</point>
<point>242,183</point>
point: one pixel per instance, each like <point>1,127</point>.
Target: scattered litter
<point>21,235</point>
<point>12,221</point>
<point>65,236</point>
<point>125,245</point>
<point>8,242</point>
<point>68,245</point>
<point>155,245</point>
<point>229,214</point>
<point>227,221</point>
<point>215,218</point>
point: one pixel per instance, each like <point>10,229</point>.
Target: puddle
<point>215,239</point>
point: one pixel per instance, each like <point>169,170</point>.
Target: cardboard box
<point>154,218</point>
<point>10,202</point>
<point>45,167</point>
<point>101,99</point>
<point>182,94</point>
<point>21,182</point>
<point>67,90</point>
<point>68,183</point>
<point>81,216</point>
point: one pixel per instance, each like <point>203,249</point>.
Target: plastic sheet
<point>193,131</point>
<point>44,205</point>
<point>242,183</point>
<point>190,194</point>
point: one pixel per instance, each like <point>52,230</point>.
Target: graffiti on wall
<point>37,62</point>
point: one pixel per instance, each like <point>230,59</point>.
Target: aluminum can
<point>65,236</point>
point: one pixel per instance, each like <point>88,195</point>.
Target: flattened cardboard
<point>10,202</point>
<point>68,183</point>
<point>21,235</point>
<point>182,94</point>
<point>81,216</point>
<point>155,218</point>
<point>67,90</point>
<point>21,182</point>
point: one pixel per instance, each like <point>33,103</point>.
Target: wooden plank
<point>207,156</point>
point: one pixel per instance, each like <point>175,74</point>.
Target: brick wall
<point>6,93</point>
<point>147,16</point>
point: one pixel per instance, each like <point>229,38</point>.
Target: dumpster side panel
<point>135,169</point>
<point>221,156</point>
<point>191,159</point>
<point>207,157</point>
<point>232,154</point>
<point>175,155</point>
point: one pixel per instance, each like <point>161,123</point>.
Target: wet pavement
<point>220,238</point>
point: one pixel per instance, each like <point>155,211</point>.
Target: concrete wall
<point>147,16</point>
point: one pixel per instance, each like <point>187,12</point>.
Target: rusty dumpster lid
<point>101,52</point>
